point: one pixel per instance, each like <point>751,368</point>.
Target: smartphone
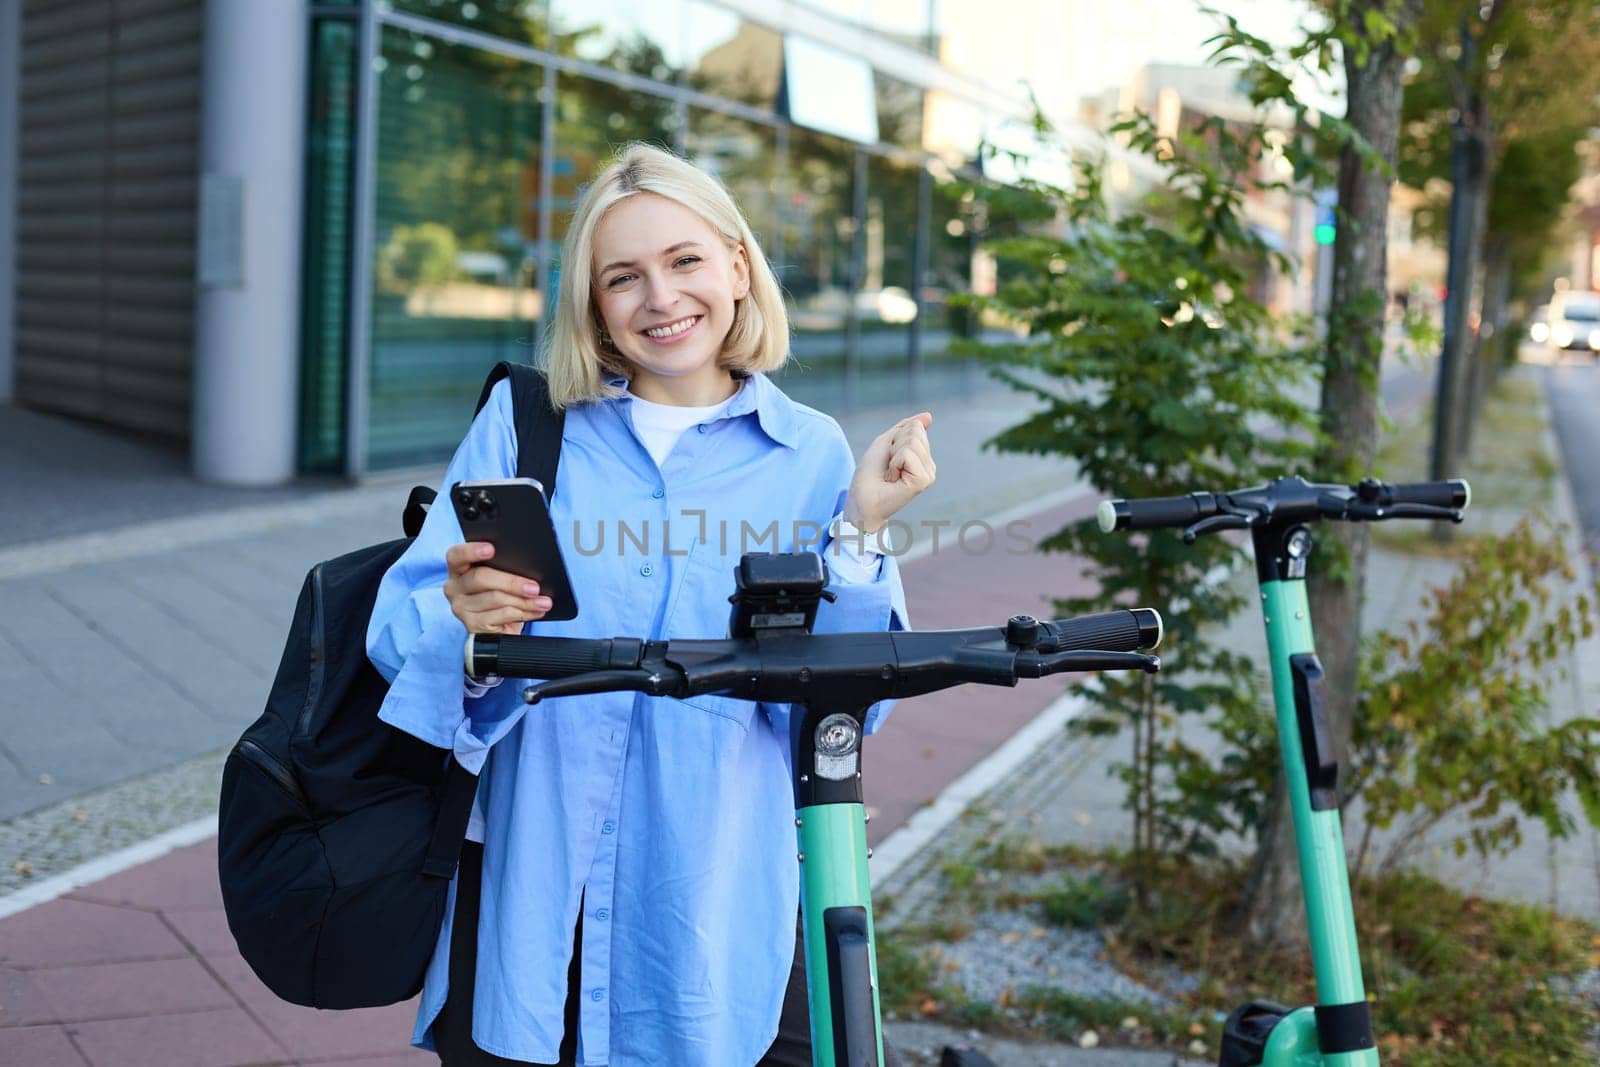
<point>513,515</point>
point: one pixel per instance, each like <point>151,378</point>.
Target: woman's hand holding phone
<point>487,600</point>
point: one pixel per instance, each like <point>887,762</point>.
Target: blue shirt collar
<point>773,410</point>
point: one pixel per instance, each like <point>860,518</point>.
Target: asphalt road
<point>1573,389</point>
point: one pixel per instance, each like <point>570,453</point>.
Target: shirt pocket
<point>739,712</point>
<point>700,609</point>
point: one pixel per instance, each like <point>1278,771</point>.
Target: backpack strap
<point>539,427</point>
<point>450,828</point>
<point>416,512</point>
<point>539,423</point>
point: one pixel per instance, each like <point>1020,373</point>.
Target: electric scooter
<point>1337,1032</point>
<point>832,679</point>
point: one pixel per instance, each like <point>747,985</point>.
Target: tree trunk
<point>1474,346</point>
<point>1272,912</point>
<point>1495,345</point>
<point>1469,200</point>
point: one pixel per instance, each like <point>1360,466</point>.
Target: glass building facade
<point>450,139</point>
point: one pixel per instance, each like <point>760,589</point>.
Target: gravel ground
<point>71,832</point>
<point>1013,949</point>
<point>919,1044</point>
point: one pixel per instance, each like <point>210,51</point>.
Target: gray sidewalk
<point>132,657</point>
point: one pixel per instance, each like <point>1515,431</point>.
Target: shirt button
<point>598,995</point>
<point>608,827</point>
<point>702,427</point>
<point>602,914</point>
<point>659,493</point>
<point>647,570</point>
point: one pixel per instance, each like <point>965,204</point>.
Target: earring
<point>605,338</point>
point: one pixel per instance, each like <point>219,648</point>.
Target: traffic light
<point>1327,224</point>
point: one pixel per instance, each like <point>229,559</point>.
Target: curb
<point>59,885</point>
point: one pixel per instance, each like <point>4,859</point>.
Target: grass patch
<point>1509,467</point>
<point>1088,903</point>
<point>1065,1016</point>
<point>1456,980</point>
<point>906,973</point>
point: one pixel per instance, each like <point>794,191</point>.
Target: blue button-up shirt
<point>671,822</point>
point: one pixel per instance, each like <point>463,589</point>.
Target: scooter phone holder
<point>777,591</point>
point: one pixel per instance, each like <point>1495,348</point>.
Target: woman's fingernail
<point>485,551</point>
<point>530,589</point>
<point>543,603</point>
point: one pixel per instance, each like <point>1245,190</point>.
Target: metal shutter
<point>109,112</point>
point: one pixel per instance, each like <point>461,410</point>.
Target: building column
<point>247,305</point>
<point>10,129</point>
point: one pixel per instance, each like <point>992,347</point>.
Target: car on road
<point>1539,325</point>
<point>1575,320</point>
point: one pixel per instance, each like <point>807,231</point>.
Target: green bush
<point>1453,713</point>
<point>1086,903</point>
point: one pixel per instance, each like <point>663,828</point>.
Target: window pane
<point>523,21</point>
<point>744,156</point>
<point>455,271</point>
<point>732,58</point>
<point>817,216</point>
<point>899,111</point>
<point>829,90</point>
<point>642,38</point>
<point>324,318</point>
<point>594,120</point>
<point>884,306</point>
<point>953,129</point>
<point>952,246</point>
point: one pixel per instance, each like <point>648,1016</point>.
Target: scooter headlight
<point>1561,335</point>
<point>1594,340</point>
<point>837,739</point>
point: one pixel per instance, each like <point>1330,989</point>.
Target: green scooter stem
<point>1319,840</point>
<point>833,874</point>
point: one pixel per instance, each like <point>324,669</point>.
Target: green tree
<point>1527,202</point>
<point>1155,368</point>
<point>1485,81</point>
<point>420,255</point>
<point>1368,41</point>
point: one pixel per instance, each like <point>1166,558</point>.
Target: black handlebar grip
<point>1128,630</point>
<point>1156,511</point>
<point>1452,494</point>
<point>519,656</point>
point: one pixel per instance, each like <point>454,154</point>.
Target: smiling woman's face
<point>665,286</point>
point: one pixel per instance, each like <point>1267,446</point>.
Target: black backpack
<point>338,835</point>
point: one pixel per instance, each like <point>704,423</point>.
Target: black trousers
<point>452,1030</point>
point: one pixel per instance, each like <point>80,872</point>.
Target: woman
<point>635,892</point>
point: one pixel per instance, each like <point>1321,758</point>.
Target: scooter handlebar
<point>516,656</point>
<point>1455,493</point>
<point>1155,512</point>
<point>1288,500</point>
<point>1128,630</point>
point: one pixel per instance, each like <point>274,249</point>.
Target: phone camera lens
<point>470,512</point>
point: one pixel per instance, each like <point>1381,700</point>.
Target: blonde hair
<point>575,361</point>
